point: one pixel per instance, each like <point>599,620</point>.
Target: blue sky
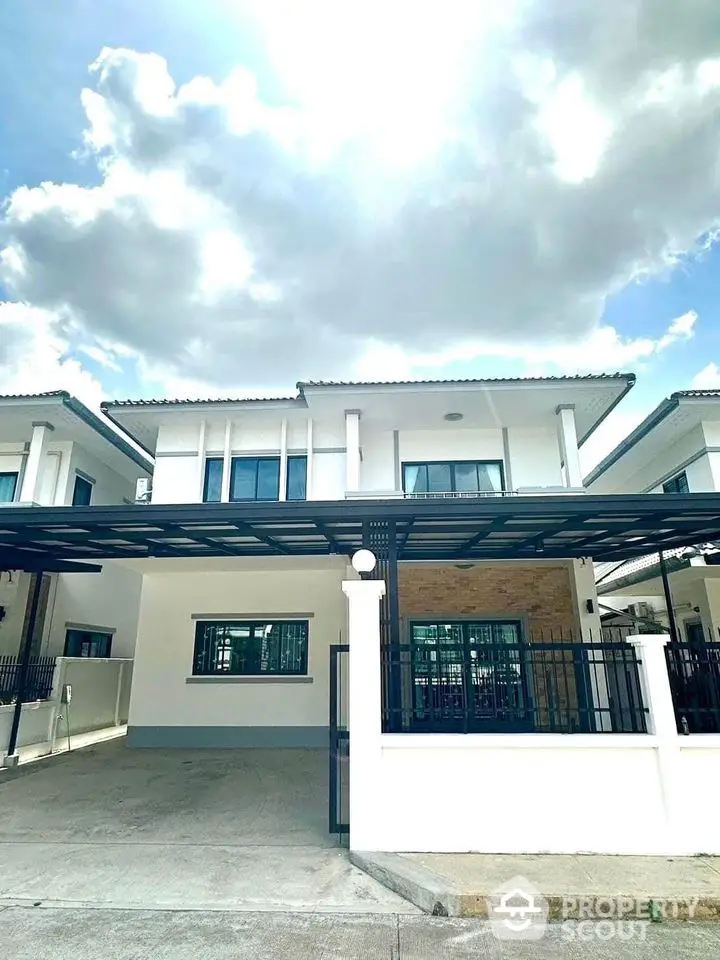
<point>470,197</point>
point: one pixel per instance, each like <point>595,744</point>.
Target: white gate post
<point>365,691</point>
<point>657,695</point>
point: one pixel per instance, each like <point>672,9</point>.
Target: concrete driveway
<point>178,829</point>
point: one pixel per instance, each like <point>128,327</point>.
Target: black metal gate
<point>694,674</point>
<point>339,771</point>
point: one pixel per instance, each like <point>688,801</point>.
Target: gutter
<point>641,431</point>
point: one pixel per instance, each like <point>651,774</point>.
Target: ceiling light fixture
<point>453,417</point>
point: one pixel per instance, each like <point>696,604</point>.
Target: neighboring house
<point>675,450</point>
<point>54,451</point>
<point>210,623</point>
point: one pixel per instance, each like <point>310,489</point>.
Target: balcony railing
<point>439,687</point>
<point>39,680</point>
<point>461,494</point>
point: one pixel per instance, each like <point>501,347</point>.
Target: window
<point>297,478</point>
<point>212,487</point>
<point>82,492</point>
<point>251,648</point>
<point>8,486</point>
<point>255,478</point>
<point>87,643</point>
<point>678,484</point>
<point>462,476</point>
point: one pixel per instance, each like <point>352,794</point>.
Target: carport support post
<point>672,623</point>
<point>365,689</point>
<point>12,757</point>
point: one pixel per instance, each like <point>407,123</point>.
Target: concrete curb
<point>441,896</point>
<point>433,893</point>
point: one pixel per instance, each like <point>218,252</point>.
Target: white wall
<point>377,467</point>
<point>13,597</point>
<point>450,444</point>
<point>100,692</point>
<point>534,454</point>
<point>648,477</point>
<point>176,480</point>
<point>534,458</point>
<point>164,655</point>
<point>711,431</point>
<point>480,793</point>
<point>328,477</point>
<point>110,487</point>
<point>36,724</point>
<point>109,600</point>
<point>100,697</point>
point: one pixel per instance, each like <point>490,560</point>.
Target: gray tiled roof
<point>303,384</point>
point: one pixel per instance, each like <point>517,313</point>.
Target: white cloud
<point>34,359</point>
<point>604,349</point>
<point>438,184</point>
<point>707,379</point>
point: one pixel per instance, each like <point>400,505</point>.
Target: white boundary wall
<point>524,793</point>
<point>100,699</point>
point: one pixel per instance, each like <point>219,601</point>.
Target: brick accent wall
<point>538,591</point>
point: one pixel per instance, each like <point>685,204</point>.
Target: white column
<point>657,697</point>
<point>352,448</point>
<point>365,710</point>
<point>227,463</point>
<point>309,472</point>
<point>118,691</point>
<point>35,462</point>
<point>201,460</point>
<point>282,490</point>
<point>567,437</point>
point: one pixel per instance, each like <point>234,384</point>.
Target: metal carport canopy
<point>609,527</point>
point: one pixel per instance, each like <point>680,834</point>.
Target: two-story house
<point>233,649</point>
<point>409,565</point>
<point>675,450</point>
<point>54,451</point>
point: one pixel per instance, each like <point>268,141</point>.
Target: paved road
<point>49,933</point>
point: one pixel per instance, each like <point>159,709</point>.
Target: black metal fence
<point>39,681</point>
<point>440,687</point>
<point>694,673</point>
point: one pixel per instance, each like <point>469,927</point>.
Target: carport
<point>210,828</point>
<point>180,829</point>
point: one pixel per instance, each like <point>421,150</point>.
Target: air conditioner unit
<point>143,490</point>
<point>642,610</point>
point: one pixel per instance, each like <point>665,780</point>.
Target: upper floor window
<point>678,484</point>
<point>8,486</point>
<point>82,492</point>
<point>255,478</point>
<point>462,476</point>
<point>251,648</point>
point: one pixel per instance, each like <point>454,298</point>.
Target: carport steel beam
<point>609,527</point>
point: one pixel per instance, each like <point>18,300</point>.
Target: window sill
<point>250,679</point>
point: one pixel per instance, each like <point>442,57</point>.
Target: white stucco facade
<point>171,708</point>
<point>358,438</point>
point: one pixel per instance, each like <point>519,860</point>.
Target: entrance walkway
<point>160,829</point>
